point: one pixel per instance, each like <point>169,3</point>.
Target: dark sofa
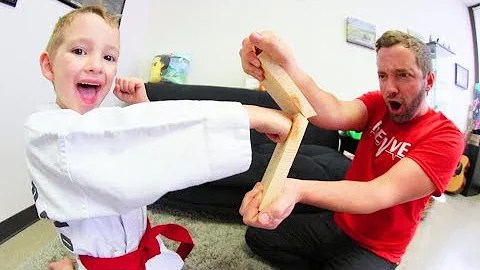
<point>318,157</point>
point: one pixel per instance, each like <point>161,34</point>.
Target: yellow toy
<point>158,66</point>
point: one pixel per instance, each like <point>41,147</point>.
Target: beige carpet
<point>219,244</point>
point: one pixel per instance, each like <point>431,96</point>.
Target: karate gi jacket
<point>94,174</point>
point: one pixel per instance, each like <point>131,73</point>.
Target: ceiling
<point>470,3</point>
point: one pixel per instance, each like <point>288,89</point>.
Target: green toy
<point>353,134</point>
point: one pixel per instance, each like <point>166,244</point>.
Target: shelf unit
<point>438,52</point>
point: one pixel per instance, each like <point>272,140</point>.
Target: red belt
<point>147,249</point>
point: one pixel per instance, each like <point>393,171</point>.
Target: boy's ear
<point>46,66</point>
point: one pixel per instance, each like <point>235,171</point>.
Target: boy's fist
<point>130,90</point>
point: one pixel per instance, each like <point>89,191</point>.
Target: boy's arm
<point>274,123</point>
<point>111,160</point>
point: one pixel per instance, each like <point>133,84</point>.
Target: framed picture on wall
<point>461,76</point>
<point>12,3</point>
<point>114,6</point>
<point>361,33</point>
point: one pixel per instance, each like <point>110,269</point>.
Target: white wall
<point>134,27</point>
<point>212,31</point>
<point>24,31</point>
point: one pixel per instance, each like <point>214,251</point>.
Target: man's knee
<point>252,238</point>
<point>270,245</point>
<point>260,239</point>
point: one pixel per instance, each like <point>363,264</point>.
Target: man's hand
<point>267,42</point>
<point>274,213</point>
<point>130,90</point>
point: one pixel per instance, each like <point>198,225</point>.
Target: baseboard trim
<point>16,223</point>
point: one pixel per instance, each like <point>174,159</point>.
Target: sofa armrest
<point>170,91</point>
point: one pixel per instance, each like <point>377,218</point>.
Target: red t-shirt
<point>431,140</point>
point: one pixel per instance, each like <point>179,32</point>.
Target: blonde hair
<point>57,35</point>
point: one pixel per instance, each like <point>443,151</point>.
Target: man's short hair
<point>418,47</point>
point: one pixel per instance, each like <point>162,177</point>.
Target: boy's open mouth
<point>88,91</point>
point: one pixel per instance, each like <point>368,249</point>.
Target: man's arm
<point>404,182</point>
<point>424,171</point>
<point>331,112</point>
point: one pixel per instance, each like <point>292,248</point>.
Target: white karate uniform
<point>95,173</point>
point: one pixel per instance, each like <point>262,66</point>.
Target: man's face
<point>403,86</point>
<point>84,65</point>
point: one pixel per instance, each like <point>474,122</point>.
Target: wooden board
<point>291,100</point>
<point>283,90</point>
<point>281,161</point>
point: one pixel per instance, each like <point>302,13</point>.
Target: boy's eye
<point>78,51</point>
<point>109,58</point>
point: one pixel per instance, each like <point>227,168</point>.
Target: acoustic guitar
<point>458,181</point>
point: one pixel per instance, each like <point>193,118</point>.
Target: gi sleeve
<point>112,160</point>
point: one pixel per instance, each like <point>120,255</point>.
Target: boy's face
<point>84,65</point>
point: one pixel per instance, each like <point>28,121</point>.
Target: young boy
<point>94,170</point>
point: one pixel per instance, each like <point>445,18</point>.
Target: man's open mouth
<point>395,106</point>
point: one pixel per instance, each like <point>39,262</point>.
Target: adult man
<point>407,153</point>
